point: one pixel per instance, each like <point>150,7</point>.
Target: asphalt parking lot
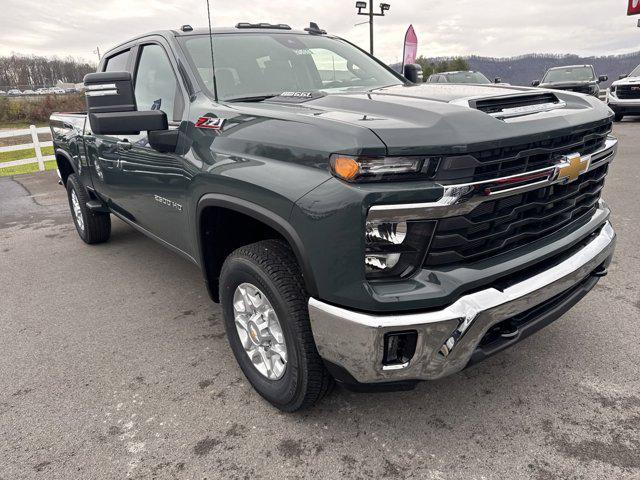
<point>114,364</point>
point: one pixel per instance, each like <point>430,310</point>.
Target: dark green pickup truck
<point>354,226</point>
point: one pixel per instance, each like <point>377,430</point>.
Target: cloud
<point>444,27</point>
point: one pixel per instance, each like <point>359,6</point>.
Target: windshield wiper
<point>254,98</point>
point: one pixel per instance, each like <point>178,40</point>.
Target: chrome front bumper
<point>447,338</point>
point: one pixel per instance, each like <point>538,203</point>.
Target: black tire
<point>96,226</point>
<point>618,117</point>
<point>271,266</point>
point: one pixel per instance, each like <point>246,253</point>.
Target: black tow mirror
<point>602,78</point>
<point>413,73</point>
<point>497,80</point>
<point>622,77</point>
<point>112,109</point>
<point>535,83</point>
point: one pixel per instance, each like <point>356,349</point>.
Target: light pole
<point>384,7</point>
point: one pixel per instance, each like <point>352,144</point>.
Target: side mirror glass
<point>603,78</point>
<point>535,83</point>
<point>112,109</point>
<point>413,73</point>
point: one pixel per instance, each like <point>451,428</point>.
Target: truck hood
<point>434,118</point>
<point>568,84</point>
<point>627,81</point>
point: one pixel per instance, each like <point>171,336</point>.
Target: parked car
<point>58,91</point>
<point>462,77</point>
<point>43,91</point>
<point>623,96</point>
<point>2,93</point>
<point>14,92</point>
<point>575,78</point>
<point>354,226</point>
<point>28,92</point>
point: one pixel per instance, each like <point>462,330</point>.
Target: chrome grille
<point>628,92</point>
<point>521,158</point>
<point>498,226</point>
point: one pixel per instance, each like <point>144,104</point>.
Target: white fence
<point>35,144</point>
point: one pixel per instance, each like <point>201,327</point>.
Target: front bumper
<point>625,106</point>
<point>448,338</point>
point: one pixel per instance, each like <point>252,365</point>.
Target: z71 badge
<point>210,123</point>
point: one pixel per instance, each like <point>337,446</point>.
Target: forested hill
<point>526,68</point>
<point>19,71</point>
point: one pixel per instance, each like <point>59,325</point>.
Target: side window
<point>117,63</point>
<point>156,86</point>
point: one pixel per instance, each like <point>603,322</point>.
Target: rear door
<point>102,150</point>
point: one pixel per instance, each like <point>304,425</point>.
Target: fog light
<point>399,348</point>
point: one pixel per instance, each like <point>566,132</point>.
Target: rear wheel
<point>92,227</point>
<point>618,117</point>
<point>267,322</point>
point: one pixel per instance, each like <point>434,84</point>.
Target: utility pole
<point>97,51</point>
<point>384,7</point>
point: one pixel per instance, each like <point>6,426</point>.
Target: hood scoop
<point>510,106</point>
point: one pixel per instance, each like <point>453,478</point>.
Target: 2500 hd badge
<point>355,227</point>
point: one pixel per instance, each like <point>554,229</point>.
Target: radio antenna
<point>213,63</point>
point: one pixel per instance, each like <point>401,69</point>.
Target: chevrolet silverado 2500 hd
<point>576,78</point>
<point>623,96</point>
<point>353,225</point>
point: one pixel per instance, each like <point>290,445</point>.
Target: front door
<point>150,187</point>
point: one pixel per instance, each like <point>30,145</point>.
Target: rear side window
<point>117,63</point>
<point>156,84</point>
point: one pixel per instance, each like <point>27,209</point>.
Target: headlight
<point>395,249</point>
<point>363,169</point>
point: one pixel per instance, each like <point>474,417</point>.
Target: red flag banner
<point>410,47</point>
<point>634,7</point>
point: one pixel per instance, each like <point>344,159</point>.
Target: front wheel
<point>267,322</point>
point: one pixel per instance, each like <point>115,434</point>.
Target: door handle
<point>124,145</point>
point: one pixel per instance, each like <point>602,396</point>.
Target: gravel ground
<point>114,364</point>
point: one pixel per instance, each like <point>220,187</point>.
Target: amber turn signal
<point>345,167</point>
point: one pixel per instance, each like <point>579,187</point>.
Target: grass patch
<point>31,168</point>
<point>20,154</point>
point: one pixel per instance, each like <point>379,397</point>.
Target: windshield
<point>569,74</point>
<point>263,64</point>
<point>636,72</point>
<point>467,77</point>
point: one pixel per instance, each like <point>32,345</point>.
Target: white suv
<point>623,97</point>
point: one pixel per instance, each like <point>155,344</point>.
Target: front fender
<point>261,214</point>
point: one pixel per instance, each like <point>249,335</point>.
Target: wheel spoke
<point>280,351</point>
<point>266,361</point>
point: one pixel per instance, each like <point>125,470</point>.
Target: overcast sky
<point>444,27</point>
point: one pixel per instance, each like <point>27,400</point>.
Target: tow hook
<point>601,271</point>
<point>507,330</point>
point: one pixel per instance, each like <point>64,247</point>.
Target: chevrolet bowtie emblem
<point>572,167</point>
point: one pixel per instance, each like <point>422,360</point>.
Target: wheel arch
<point>66,165</point>
<point>211,266</point>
